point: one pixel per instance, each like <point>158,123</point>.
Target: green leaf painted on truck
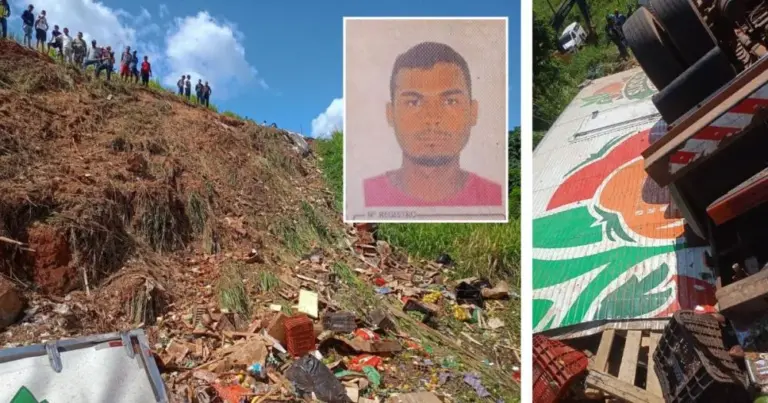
<point>608,245</point>
<point>25,396</point>
<point>635,88</point>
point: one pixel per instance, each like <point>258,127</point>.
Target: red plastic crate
<point>299,335</point>
<point>555,367</point>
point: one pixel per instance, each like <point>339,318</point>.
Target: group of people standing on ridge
<point>202,91</point>
<point>75,51</point>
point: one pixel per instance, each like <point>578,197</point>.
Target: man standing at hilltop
<point>106,62</point>
<point>188,87</point>
<point>5,12</point>
<point>199,91</point>
<point>133,66</point>
<point>206,94</point>
<point>55,39</point>
<point>94,56</point>
<point>66,46</point>
<point>146,71</point>
<point>180,85</point>
<point>125,60</point>
<point>28,20</point>
<point>41,32</point>
<point>79,49</point>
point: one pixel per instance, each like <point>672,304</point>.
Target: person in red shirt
<point>146,71</point>
<point>432,113</point>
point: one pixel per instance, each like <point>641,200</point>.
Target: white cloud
<point>94,19</point>
<point>211,50</point>
<point>329,121</point>
<point>143,17</point>
<point>163,11</point>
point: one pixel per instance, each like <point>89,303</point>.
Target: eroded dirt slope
<point>125,207</point>
<point>101,177</point>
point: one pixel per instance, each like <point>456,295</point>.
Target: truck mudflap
<point>723,116</point>
<point>114,367</point>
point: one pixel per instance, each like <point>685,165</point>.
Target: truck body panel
<point>88,369</point>
<point>608,244</point>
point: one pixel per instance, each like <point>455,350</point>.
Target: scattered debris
<point>310,376</point>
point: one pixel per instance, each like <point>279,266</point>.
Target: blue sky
<point>279,61</point>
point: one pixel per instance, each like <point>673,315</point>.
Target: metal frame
<point>657,155</point>
<point>53,350</point>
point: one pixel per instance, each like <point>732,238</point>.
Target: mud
<point>52,267</point>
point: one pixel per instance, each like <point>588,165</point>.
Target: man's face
<point>432,113</point>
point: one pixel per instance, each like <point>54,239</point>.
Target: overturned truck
<point>706,58</point>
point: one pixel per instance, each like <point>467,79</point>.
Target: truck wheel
<point>647,40</point>
<point>686,30</point>
<point>694,86</point>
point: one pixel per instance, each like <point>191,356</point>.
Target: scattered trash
<point>473,380</point>
<point>444,259</point>
<point>373,376</point>
<point>308,302</point>
<point>501,291</point>
<point>299,335</point>
<point>343,322</point>
<point>358,363</point>
<point>420,397</point>
<point>380,320</point>
<point>309,376</point>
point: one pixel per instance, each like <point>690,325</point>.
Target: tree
<point>547,78</point>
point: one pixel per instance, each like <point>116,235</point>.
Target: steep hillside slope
<point>102,177</point>
<point>123,207</point>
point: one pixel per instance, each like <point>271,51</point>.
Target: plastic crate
<point>299,335</point>
<point>555,367</point>
<point>693,364</point>
<point>340,322</point>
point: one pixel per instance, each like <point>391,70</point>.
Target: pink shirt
<point>477,191</point>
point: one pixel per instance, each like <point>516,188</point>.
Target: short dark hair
<point>425,56</point>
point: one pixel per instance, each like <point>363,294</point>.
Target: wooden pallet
<point>625,384</point>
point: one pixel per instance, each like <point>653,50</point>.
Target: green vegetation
<point>332,153</point>
<point>306,230</point>
<point>233,295</point>
<point>556,78</point>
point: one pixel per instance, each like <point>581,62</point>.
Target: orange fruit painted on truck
<point>644,206</point>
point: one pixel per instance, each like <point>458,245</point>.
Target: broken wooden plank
<point>628,368</point>
<point>611,385</point>
<point>604,350</point>
<point>652,384</point>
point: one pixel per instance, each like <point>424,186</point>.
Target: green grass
<point>231,290</point>
<point>332,154</point>
<point>304,230</point>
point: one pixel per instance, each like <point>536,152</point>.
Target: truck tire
<point>686,30</point>
<point>694,86</point>
<point>647,41</point>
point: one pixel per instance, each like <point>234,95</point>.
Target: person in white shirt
<point>41,31</point>
<point>94,56</point>
<point>66,47</point>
